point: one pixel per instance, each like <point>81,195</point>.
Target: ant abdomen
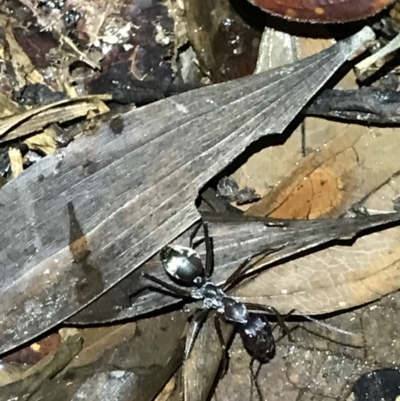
<point>257,338</point>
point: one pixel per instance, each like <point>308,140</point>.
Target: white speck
<point>284,292</point>
<point>60,154</point>
<point>161,36</point>
<point>182,108</point>
<point>118,373</point>
<point>127,46</point>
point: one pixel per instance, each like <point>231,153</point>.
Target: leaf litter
<point>344,165</point>
<point>338,172</point>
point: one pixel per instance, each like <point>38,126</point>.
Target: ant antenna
<point>326,325</point>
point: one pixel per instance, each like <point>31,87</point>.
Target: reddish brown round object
<point>323,11</point>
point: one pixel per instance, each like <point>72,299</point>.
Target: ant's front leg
<point>198,320</point>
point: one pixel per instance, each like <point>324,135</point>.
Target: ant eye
<point>182,263</point>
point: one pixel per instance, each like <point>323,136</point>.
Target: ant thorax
<point>235,311</point>
<point>211,295</point>
<point>182,263</point>
<point>215,298</point>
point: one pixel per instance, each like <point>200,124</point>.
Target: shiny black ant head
<point>257,338</point>
<point>182,263</point>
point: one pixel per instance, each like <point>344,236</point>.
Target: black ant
<point>185,266</point>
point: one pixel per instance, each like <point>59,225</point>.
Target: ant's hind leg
<point>254,380</point>
<point>209,252</point>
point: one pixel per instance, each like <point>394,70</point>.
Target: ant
<point>185,266</point>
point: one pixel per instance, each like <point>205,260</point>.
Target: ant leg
<point>246,266</point>
<point>281,321</point>
<point>251,367</point>
<point>254,380</point>
<point>233,277</point>
<point>199,318</point>
<point>209,251</point>
<point>284,317</point>
<point>225,358</point>
<point>287,331</point>
<point>194,232</point>
<point>174,290</point>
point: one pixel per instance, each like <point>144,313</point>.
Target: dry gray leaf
<point>128,202</point>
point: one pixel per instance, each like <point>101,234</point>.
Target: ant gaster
<point>185,266</point>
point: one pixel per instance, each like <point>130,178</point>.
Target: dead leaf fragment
<point>24,69</point>
<point>31,379</point>
<point>33,353</point>
<point>320,185</point>
<point>36,119</point>
<point>16,161</point>
<point>44,141</point>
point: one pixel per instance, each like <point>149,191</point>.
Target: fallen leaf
<point>130,223</point>
<point>24,69</point>
<point>132,361</point>
<point>341,277</point>
<point>33,353</point>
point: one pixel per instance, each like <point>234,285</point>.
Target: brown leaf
<point>132,361</point>
<point>30,380</point>
<point>33,353</point>
<point>325,183</point>
<point>339,277</point>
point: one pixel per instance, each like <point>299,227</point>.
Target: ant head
<point>182,263</point>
